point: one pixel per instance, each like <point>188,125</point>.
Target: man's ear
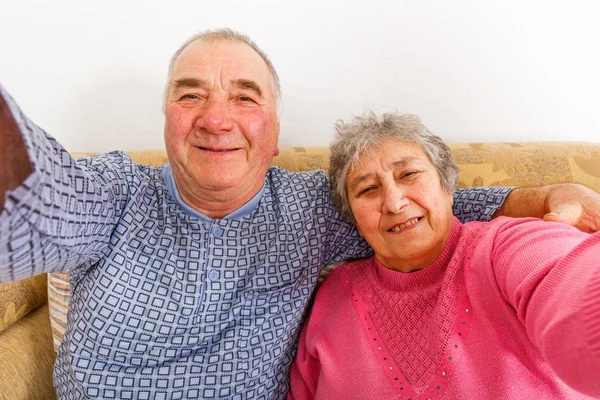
<point>277,139</point>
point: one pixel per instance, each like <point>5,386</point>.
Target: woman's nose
<point>394,200</point>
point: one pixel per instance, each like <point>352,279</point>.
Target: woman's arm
<point>550,274</point>
<point>305,370</point>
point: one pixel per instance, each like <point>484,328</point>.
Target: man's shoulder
<point>118,162</point>
<point>313,174</point>
<point>316,180</point>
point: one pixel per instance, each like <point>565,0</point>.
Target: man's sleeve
<point>550,274</point>
<point>340,239</point>
<point>480,203</point>
<point>62,215</point>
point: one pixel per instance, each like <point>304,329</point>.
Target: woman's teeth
<point>405,225</point>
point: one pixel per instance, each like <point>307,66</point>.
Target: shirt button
<point>217,231</point>
<point>213,275</point>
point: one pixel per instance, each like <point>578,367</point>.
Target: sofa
<point>33,311</point>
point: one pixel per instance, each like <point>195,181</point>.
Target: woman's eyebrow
<point>404,161</point>
<point>357,180</point>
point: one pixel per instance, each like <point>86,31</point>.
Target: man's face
<point>221,125</point>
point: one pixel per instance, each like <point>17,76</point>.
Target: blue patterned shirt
<point>168,303</point>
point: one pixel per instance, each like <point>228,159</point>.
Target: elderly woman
<point>508,309</point>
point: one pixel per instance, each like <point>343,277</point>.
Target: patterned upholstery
<point>528,164</point>
<point>18,298</point>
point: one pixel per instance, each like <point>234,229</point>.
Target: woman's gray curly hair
<point>366,131</point>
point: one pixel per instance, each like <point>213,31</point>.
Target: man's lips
<point>218,150</point>
<point>411,222</point>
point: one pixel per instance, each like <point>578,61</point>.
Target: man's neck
<point>214,204</point>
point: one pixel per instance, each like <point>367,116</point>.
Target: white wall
<point>92,72</point>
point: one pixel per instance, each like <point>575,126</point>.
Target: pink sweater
<point>510,310</point>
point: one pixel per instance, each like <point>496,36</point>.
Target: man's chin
<point>220,182</point>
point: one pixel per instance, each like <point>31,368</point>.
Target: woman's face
<point>399,205</point>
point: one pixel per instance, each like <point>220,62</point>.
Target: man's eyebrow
<point>189,83</point>
<point>247,84</point>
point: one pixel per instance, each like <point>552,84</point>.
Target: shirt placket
<point>210,293</point>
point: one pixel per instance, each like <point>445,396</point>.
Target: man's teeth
<point>405,225</point>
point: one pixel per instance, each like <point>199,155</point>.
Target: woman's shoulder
<point>337,280</point>
<point>350,268</point>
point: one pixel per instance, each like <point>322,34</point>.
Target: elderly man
<point>189,280</point>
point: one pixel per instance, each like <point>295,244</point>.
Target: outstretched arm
<point>14,161</point>
<point>568,203</point>
<point>56,213</point>
<point>550,275</point>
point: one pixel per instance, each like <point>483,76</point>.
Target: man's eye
<point>409,174</point>
<point>246,99</point>
<point>189,97</point>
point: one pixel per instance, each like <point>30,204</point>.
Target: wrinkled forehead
<point>388,151</point>
<point>223,59</point>
<point>386,155</point>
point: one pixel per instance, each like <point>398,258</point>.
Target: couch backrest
<point>481,164</point>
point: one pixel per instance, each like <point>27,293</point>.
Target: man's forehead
<point>224,55</point>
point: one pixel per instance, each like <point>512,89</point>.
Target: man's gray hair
<point>364,132</point>
<point>226,34</point>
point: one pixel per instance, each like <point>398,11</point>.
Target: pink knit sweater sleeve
<point>550,274</point>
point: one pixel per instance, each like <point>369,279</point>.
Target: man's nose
<point>216,116</point>
<point>394,200</point>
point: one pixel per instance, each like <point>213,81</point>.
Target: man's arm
<point>568,203</point>
<point>14,161</point>
<point>57,213</point>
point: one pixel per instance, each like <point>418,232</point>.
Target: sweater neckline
<point>428,276</point>
<point>369,302</point>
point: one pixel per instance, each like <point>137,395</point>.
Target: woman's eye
<point>366,190</point>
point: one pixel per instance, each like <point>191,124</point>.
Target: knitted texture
<point>417,321</point>
<point>509,310</point>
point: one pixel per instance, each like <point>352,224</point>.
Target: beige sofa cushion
<point>27,358</point>
<point>21,297</point>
